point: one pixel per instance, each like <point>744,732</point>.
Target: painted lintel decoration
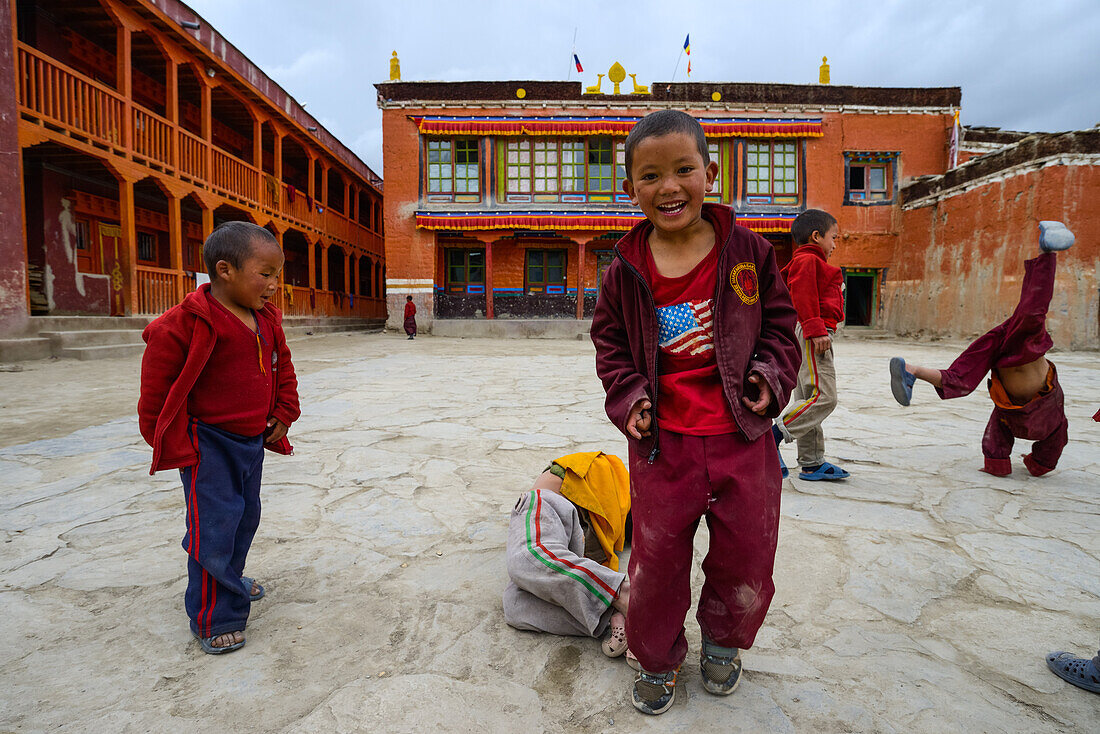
<point>735,127</point>
<point>556,220</point>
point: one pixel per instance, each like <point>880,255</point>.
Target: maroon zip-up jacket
<point>178,344</point>
<point>754,324</point>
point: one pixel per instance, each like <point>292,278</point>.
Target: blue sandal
<point>826,471</point>
<point>901,381</point>
<point>1081,672</point>
<point>247,583</point>
<point>208,644</point>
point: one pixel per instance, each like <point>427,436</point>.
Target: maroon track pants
<point>1022,338</point>
<point>734,484</point>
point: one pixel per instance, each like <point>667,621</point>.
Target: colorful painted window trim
<point>465,270</point>
<point>546,271</point>
<point>869,178</point>
<point>562,169</point>
<point>453,168</point>
<point>771,172</point>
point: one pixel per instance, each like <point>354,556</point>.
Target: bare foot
<point>255,588</point>
<point>228,639</point>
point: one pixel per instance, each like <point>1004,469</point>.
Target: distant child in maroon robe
<point>410,317</point>
<point>217,388</point>
<point>1023,384</point>
<point>695,345</point>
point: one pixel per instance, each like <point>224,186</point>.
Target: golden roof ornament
<point>616,74</point>
<point>823,72</point>
<point>395,68</point>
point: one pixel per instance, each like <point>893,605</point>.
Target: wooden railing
<point>192,155</point>
<point>159,289</point>
<point>153,138</point>
<point>236,177</point>
<point>61,97</point>
<point>66,97</point>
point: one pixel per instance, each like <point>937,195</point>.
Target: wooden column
<point>208,127</point>
<point>124,82</point>
<point>324,268</point>
<point>278,168</point>
<point>175,241</point>
<point>172,109</point>
<point>347,272</point>
<point>207,222</point>
<point>128,225</point>
<point>580,278</point>
<point>258,144</point>
<point>488,278</point>
<point>312,251</point>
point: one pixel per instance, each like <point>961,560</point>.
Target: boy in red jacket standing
<point>217,387</point>
<point>695,345</point>
<point>816,291</point>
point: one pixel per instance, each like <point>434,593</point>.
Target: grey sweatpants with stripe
<point>553,587</point>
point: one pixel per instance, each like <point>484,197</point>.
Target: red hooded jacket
<point>816,291</point>
<point>179,343</point>
<point>753,327</point>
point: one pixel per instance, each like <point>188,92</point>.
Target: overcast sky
<point>1022,64</point>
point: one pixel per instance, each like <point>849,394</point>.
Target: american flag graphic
<point>686,328</point>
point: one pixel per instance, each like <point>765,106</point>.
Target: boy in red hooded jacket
<point>217,387</point>
<point>816,290</point>
<point>695,345</point>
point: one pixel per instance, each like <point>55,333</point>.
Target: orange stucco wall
<point>959,259</point>
<point>869,233</point>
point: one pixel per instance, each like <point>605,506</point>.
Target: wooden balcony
<point>66,106</point>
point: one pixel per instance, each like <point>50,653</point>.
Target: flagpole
<point>677,65</point>
<point>569,74</point>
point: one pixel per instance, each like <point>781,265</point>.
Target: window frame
<point>887,162</point>
<point>544,286</point>
<point>772,196</point>
<point>452,286</point>
<point>571,159</point>
<point>449,150</point>
<point>154,238</point>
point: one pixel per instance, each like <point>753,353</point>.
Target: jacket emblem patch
<point>744,283</point>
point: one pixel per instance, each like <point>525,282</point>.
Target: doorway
<point>860,296</point>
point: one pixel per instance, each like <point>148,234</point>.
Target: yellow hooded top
<point>600,484</point>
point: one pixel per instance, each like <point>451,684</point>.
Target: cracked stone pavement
<point>919,596</point>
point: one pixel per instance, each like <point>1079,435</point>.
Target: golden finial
<point>823,72</point>
<point>595,88</point>
<point>616,74</point>
<point>395,68</point>
<point>638,88</point>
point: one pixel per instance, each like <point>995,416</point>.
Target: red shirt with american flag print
<point>690,390</point>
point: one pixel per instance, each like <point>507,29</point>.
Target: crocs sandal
<point>208,644</point>
<point>614,644</point>
<point>1054,236</point>
<point>901,381</point>
<point>247,582</point>
<point>1081,672</point>
<point>826,471</point>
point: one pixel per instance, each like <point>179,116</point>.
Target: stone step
<point>298,332</point>
<point>21,349</point>
<point>101,352</point>
<point>93,338</point>
<point>38,324</point>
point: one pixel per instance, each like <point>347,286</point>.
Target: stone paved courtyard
<point>918,596</point>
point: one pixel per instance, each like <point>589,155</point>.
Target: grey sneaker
<point>654,693</point>
<point>721,668</point>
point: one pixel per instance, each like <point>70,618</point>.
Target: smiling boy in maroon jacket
<point>695,345</point>
<point>217,387</point>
